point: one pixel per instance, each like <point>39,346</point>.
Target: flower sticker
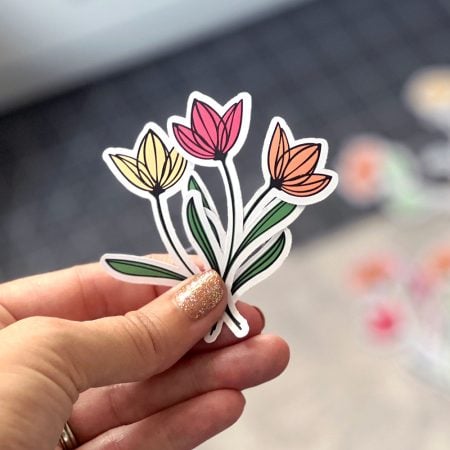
<point>150,169</point>
<point>293,168</point>
<point>211,132</point>
<point>210,136</point>
<point>256,239</point>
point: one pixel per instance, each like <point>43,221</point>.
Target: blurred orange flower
<point>438,263</point>
<point>373,271</point>
<point>292,169</point>
<point>361,168</point>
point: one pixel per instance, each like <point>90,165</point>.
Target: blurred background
<point>372,77</point>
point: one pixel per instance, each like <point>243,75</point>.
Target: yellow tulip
<point>155,169</point>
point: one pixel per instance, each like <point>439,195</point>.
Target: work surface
<point>339,391</point>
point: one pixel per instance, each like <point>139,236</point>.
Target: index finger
<point>82,292</point>
<point>87,292</point>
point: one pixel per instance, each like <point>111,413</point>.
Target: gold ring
<point>67,440</point>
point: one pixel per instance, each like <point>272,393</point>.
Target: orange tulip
<point>292,169</point>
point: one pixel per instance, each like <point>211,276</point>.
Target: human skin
<point>122,363</point>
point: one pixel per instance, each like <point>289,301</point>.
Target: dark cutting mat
<point>330,68</point>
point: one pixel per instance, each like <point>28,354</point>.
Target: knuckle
<point>44,347</point>
<point>114,441</point>
<point>148,336</point>
<point>117,397</point>
<point>39,328</point>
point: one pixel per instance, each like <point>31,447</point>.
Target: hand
<point>121,363</point>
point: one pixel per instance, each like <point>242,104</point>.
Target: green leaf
<point>194,186</point>
<point>263,263</point>
<point>140,269</point>
<point>198,232</point>
<point>274,216</point>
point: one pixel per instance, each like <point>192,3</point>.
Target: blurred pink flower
<point>211,135</point>
<point>421,284</point>
<point>384,321</point>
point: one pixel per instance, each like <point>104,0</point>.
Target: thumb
<point>147,341</point>
<point>117,349</point>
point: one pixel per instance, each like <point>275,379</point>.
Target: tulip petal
<point>153,154</point>
<point>310,186</point>
<point>186,140</point>
<point>128,168</point>
<point>231,124</point>
<point>279,146</point>
<point>167,170</point>
<point>302,160</point>
<point>145,175</point>
<point>178,166</point>
<point>205,122</point>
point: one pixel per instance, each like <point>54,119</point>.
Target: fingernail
<point>263,318</point>
<point>200,294</point>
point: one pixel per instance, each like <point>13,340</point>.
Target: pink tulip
<point>211,135</point>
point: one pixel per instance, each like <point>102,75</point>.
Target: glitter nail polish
<point>200,294</point>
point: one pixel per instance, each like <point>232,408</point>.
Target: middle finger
<point>240,366</point>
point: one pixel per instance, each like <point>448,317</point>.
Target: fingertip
<point>253,362</point>
<point>239,405</point>
<point>256,323</point>
<point>263,317</point>
<point>233,405</point>
<point>278,350</point>
<point>255,317</point>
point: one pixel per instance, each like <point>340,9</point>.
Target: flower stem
<point>233,319</point>
<point>168,237</point>
<point>231,228</point>
<point>233,256</point>
<point>256,203</point>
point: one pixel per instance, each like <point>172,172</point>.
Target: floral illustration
<point>292,169</point>
<point>256,239</point>
<point>211,135</point>
<point>155,169</point>
<point>152,171</point>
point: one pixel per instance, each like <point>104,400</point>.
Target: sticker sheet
<point>255,239</point>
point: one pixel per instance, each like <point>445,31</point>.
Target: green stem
<point>167,235</point>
